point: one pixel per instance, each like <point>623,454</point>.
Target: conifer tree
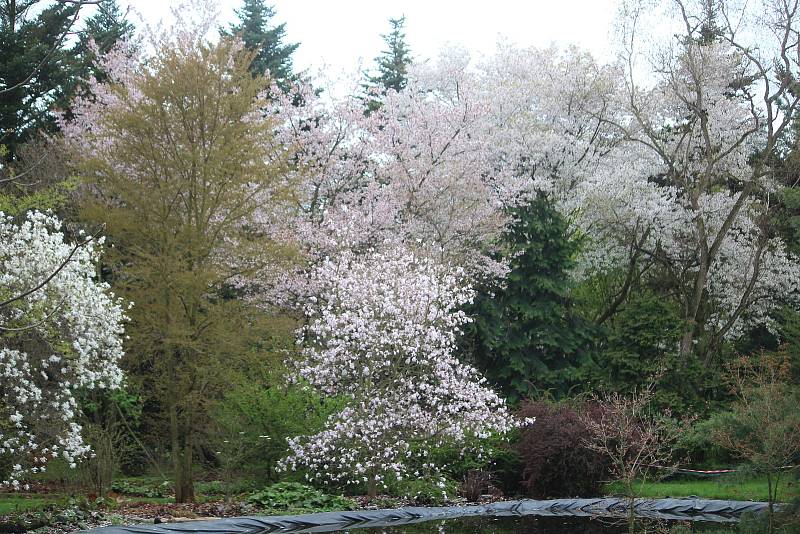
<point>526,336</point>
<point>257,32</point>
<point>392,64</point>
<point>34,67</point>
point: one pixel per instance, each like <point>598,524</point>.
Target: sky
<point>340,35</point>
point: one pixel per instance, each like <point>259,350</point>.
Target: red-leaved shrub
<point>555,461</point>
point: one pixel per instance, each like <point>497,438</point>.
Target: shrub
<point>496,455</point>
<point>763,426</point>
<point>555,461</point>
<point>424,492</point>
<point>299,498</point>
<point>697,445</point>
<point>143,487</point>
<point>476,483</point>
<point>254,420</point>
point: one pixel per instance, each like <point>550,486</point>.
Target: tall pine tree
<point>392,64</point>
<point>526,337</point>
<point>256,31</point>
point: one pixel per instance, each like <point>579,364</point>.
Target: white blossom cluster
<point>58,338</point>
<point>383,335</point>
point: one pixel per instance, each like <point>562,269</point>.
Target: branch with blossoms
<point>50,276</point>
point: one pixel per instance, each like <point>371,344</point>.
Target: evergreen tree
<point>34,68</point>
<point>257,33</point>
<point>393,62</point>
<point>526,336</point>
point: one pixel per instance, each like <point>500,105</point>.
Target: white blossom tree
<point>382,335</point>
<point>687,188</point>
<point>62,331</point>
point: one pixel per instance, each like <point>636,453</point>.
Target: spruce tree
<point>392,64</point>
<point>256,31</point>
<point>526,336</point>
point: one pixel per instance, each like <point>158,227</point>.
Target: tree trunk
<point>772,491</point>
<point>184,487</point>
<point>181,458</point>
<point>687,342</point>
<point>631,501</point>
<point>372,487</point>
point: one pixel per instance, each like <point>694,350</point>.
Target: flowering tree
<point>383,335</point>
<point>686,191</point>
<point>417,170</point>
<point>548,113</point>
<point>439,163</point>
<point>61,331</point>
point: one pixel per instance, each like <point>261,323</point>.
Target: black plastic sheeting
<point>670,509</point>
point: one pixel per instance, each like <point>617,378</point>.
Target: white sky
<point>341,34</point>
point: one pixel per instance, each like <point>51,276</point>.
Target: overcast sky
<point>338,34</point>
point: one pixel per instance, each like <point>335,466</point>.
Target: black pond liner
<point>667,509</point>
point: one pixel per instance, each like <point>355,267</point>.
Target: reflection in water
<point>518,525</point>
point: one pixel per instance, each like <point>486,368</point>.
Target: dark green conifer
<point>35,68</point>
<point>392,64</point>
<point>526,336</point>
<point>257,32</point>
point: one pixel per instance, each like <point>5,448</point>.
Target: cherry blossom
<point>686,186</point>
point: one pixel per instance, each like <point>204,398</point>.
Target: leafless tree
<point>633,436</point>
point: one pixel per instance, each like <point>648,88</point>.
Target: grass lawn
<point>20,502</point>
<point>724,487</point>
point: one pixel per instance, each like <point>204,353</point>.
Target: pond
<point>591,516</point>
<point>530,525</point>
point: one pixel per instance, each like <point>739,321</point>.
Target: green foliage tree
<point>186,164</point>
<point>641,342</point>
<point>265,40</point>
<point>526,335</point>
<point>392,64</point>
